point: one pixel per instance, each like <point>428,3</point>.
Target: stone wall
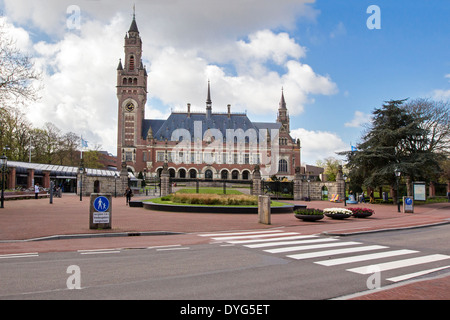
<point>314,189</point>
<point>103,184</point>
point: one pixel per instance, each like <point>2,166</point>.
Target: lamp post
<point>397,177</point>
<point>309,180</point>
<point>115,187</point>
<point>3,164</point>
<point>81,170</point>
<point>345,192</point>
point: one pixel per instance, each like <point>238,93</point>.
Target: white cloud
<point>318,145</point>
<point>185,44</point>
<point>359,120</point>
<point>441,94</point>
<point>339,30</point>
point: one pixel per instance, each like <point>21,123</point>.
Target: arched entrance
<point>192,174</point>
<point>208,174</point>
<point>224,175</point>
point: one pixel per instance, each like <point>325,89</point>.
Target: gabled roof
<point>163,129</point>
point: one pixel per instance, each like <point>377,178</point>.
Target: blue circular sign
<point>101,204</point>
<point>408,201</point>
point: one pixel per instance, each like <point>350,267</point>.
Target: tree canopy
<point>401,136</point>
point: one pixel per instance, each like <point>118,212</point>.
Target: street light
<point>398,173</point>
<point>309,199</point>
<point>345,192</point>
<point>81,170</point>
<point>115,188</point>
<point>3,166</point>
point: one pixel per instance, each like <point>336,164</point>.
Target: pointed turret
<point>282,101</point>
<point>133,27</point>
<point>208,102</point>
<point>283,116</point>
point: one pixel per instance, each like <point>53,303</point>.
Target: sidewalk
<point>30,219</point>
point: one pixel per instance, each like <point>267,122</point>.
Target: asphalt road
<point>231,267</point>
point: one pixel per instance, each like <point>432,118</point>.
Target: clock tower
<point>132,96</point>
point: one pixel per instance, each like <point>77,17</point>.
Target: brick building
<point>206,145</point>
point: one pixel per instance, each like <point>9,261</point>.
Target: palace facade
<point>207,145</point>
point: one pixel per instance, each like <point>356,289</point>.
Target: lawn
<point>167,200</point>
<point>209,191</point>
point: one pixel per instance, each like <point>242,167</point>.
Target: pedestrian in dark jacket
<point>128,194</point>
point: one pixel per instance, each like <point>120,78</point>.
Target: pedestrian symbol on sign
<point>101,204</point>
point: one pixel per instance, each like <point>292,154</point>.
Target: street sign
<point>408,205</point>
<point>100,211</point>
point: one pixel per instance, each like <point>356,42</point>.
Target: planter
<point>309,217</point>
<point>362,214</point>
<point>338,216</point>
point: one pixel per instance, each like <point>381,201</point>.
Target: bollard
<point>264,209</point>
<point>100,211</point>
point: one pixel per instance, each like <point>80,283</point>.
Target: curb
<point>347,234</point>
<point>103,235</point>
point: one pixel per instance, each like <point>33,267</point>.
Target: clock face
<point>129,107</point>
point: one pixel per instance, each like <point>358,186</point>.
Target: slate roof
<point>162,129</point>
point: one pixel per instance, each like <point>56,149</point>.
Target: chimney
<point>229,111</point>
<point>189,110</point>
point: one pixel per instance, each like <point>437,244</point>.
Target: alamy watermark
<point>73,21</point>
<point>374,21</point>
<point>237,147</point>
<point>74,280</point>
<point>374,280</point>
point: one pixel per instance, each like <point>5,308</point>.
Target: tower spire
<point>133,27</point>
<point>282,101</point>
<point>208,98</point>
<point>208,102</point>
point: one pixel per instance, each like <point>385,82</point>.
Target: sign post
<point>100,211</point>
<point>408,205</point>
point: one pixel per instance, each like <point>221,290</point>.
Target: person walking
<point>362,199</point>
<point>36,190</point>
<point>128,194</point>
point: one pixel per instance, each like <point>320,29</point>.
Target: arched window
<point>235,175</point>
<point>192,174</point>
<point>131,63</point>
<point>282,166</point>
<point>224,175</point>
<point>208,175</point>
<point>182,173</point>
<point>245,175</point>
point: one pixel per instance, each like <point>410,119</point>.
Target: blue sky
<point>334,69</point>
<point>407,58</point>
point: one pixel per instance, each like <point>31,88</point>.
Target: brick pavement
<point>29,219</point>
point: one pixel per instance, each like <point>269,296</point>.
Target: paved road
<point>249,265</point>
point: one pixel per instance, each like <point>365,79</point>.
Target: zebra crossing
<point>333,252</point>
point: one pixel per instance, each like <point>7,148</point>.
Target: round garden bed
<point>288,208</point>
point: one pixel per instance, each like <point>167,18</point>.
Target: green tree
<point>396,139</point>
<point>331,167</point>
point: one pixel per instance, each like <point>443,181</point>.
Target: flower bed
<point>362,212</point>
<point>337,213</point>
<point>212,199</point>
<point>309,214</point>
